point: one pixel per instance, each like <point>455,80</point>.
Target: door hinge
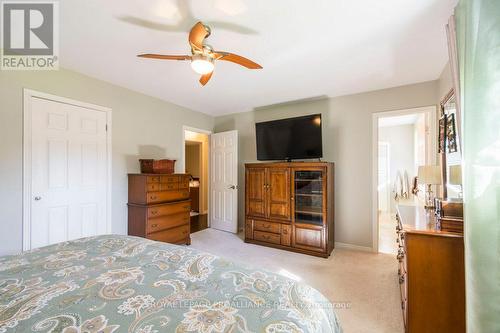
<point>106,127</point>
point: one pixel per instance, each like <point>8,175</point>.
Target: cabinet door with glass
<point>309,192</point>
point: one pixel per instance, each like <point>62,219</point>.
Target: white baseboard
<point>353,247</point>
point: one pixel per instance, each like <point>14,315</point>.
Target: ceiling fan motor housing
<point>202,63</point>
<point>209,31</point>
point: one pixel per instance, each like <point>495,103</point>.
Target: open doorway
<point>403,141</point>
<point>196,163</point>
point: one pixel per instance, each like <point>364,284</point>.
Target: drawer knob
<point>154,212</point>
<point>154,225</point>
<point>153,197</point>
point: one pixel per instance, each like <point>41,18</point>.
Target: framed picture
<point>442,134</point>
<point>451,133</point>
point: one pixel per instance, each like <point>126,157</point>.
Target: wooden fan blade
<point>205,78</point>
<point>197,35</point>
<point>165,57</point>
<point>237,59</point>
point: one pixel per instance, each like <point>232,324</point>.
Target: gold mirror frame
<point>448,138</point>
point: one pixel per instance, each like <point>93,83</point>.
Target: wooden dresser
<point>290,206</point>
<point>159,207</point>
<point>431,273</point>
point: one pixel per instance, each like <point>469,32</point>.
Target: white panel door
<point>69,172</point>
<point>224,181</point>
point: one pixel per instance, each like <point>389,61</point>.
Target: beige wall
<point>347,141</point>
<point>143,127</point>
<point>445,82</point>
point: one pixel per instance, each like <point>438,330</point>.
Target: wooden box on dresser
<point>290,206</point>
<point>431,273</point>
<point>159,207</point>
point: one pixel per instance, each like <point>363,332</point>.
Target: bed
<point>127,284</point>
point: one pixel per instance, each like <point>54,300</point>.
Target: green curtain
<point>478,37</point>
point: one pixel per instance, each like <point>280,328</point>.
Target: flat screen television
<point>289,139</point>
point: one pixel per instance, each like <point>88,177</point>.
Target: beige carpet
<point>366,282</point>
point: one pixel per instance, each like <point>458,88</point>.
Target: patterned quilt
<point>114,283</point>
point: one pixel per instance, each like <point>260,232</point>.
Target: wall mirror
<point>449,148</point>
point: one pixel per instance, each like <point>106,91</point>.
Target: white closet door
<point>224,181</point>
<point>69,172</point>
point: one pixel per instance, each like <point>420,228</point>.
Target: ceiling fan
<point>203,56</point>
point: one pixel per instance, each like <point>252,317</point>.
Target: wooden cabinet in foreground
<point>290,206</point>
<point>159,207</point>
<point>431,273</point>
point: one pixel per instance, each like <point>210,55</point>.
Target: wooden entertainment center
<point>290,205</point>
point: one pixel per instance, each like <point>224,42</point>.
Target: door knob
<point>38,198</point>
<point>232,187</point>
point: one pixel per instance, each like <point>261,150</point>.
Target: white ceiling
<point>307,48</point>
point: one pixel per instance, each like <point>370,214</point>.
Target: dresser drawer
<point>400,239</point>
<point>152,179</point>
<point>158,197</point>
<point>267,226</point>
<point>401,254</point>
<point>169,209</point>
<point>169,186</point>
<point>153,187</point>
<point>266,237</point>
<point>166,222</point>
<point>399,225</point>
<point>401,266</point>
<point>175,235</point>
<point>169,179</point>
<point>404,297</point>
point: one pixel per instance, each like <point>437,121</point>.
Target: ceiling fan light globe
<point>202,66</point>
